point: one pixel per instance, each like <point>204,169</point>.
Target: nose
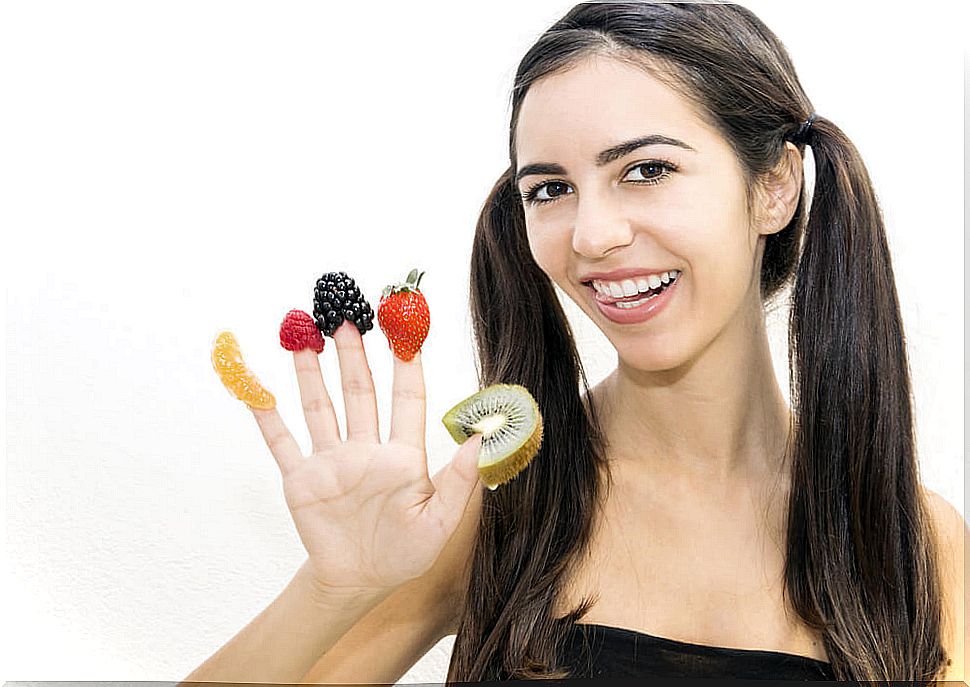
<point>600,226</point>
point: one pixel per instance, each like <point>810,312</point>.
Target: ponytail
<point>861,565</point>
<point>532,529</point>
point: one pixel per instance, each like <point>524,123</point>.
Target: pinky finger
<point>278,438</point>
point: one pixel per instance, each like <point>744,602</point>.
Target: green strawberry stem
<point>410,284</point>
<point>414,279</point>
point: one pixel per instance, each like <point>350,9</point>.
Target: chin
<point>656,360</point>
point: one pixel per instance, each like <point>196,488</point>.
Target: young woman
<point>680,519</point>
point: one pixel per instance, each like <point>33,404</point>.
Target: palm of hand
<point>360,510</point>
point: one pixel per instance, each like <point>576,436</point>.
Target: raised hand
<point>367,512</point>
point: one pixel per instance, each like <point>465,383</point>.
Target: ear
<point>778,192</point>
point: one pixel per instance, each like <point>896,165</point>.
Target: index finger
<point>278,438</point>
<point>408,402</point>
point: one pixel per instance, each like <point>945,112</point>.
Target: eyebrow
<point>605,157</point>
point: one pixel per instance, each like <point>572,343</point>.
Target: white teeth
<point>634,304</point>
<point>630,287</point>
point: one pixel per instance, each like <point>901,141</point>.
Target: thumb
<point>466,459</point>
<point>455,482</point>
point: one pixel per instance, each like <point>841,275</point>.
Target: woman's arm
<point>307,637</point>
<point>283,641</point>
<point>390,639</point>
<point>954,541</point>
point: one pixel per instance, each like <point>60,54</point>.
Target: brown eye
<point>653,172</point>
<point>556,185</point>
<point>533,197</point>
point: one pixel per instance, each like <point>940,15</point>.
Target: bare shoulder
<point>949,526</point>
<point>953,537</point>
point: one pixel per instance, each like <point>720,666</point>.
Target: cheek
<point>703,228</point>
<point>703,221</point>
<point>546,248</point>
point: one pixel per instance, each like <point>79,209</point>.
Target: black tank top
<point>594,650</point>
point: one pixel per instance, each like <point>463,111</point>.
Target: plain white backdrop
<point>170,169</point>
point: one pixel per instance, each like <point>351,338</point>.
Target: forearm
<point>284,641</point>
<point>389,639</point>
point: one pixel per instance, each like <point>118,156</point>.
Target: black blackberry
<point>337,298</point>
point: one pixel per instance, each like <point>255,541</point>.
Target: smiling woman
<point>685,506</point>
<point>654,204</point>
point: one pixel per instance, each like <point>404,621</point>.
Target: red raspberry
<point>299,331</point>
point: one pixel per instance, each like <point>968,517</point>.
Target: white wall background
<point>173,168</point>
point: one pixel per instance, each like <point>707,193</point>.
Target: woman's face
<point>671,205</point>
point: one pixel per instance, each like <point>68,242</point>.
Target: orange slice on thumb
<point>239,379</point>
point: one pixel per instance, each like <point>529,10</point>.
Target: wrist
<point>327,597</point>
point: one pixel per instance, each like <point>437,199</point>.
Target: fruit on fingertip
<point>299,331</point>
<point>336,297</point>
<point>228,363</point>
<point>508,418</point>
<point>404,317</point>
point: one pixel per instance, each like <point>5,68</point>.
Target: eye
<point>656,171</point>
<point>654,177</point>
<point>532,195</point>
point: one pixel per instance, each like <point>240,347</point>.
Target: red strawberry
<point>403,316</point>
<point>299,331</point>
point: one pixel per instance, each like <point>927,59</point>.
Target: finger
<point>456,483</point>
<point>278,438</point>
<point>408,402</point>
<point>360,401</point>
<point>317,406</point>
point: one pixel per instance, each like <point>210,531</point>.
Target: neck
<point>719,417</point>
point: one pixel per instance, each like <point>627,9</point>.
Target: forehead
<point>597,102</point>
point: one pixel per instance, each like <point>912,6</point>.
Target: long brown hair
<point>860,564</point>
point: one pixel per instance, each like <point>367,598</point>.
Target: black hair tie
<point>801,136</point>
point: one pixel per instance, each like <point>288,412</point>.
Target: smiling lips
<point>632,289</point>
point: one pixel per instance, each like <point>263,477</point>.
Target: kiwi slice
<point>508,418</point>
